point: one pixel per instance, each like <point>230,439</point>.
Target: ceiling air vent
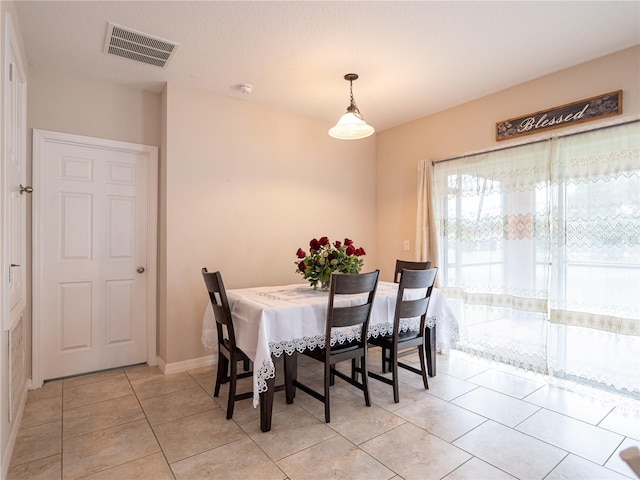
<point>138,46</point>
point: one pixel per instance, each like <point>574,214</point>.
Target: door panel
<point>120,319</point>
<point>75,316</point>
<point>75,231</point>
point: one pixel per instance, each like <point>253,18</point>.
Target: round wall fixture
<point>245,88</point>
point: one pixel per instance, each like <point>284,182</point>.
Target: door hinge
<point>11,72</point>
<point>11,269</point>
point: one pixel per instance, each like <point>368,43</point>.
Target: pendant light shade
<point>351,125</point>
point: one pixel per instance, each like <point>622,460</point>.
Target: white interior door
<point>14,178</point>
<point>95,254</point>
<point>13,258</point>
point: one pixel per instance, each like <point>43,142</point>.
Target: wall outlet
<point>406,245</point>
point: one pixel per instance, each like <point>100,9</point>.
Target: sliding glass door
<point>540,249</point>
<point>595,258</point>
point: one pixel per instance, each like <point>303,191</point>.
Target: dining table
<point>271,321</point>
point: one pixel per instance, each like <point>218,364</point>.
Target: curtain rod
<point>553,137</point>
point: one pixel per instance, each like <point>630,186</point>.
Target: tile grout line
<point>61,429</point>
<point>164,455</point>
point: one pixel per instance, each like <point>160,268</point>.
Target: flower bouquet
<point>325,258</point>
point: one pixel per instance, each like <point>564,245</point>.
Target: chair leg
<point>394,375</point>
<point>385,360</point>
<point>232,387</point>
<point>430,350</point>
<point>354,368</point>
<point>222,372</point>
<point>423,366</point>
<point>365,381</point>
<point>327,382</point>
<point>354,374</point>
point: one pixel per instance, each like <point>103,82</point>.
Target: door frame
<point>40,139</point>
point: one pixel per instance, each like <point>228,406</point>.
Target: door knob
<point>140,269</point>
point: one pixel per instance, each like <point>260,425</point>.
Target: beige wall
<point>471,127</point>
<point>245,186</point>
<point>81,106</point>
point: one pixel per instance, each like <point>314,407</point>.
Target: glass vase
<point>322,287</point>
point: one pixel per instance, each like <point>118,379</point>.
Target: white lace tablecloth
<point>272,320</point>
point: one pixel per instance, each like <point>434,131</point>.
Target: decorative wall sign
<point>583,111</point>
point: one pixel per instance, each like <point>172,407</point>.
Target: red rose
<point>348,242</point>
<point>330,257</point>
<point>302,266</point>
<point>323,241</point>
<point>301,253</point>
<point>313,245</point>
<point>360,251</point>
<point>350,249</point>
<point>337,244</point>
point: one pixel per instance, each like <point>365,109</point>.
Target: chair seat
<point>402,336</point>
<point>319,353</point>
<point>386,341</point>
<point>408,335</point>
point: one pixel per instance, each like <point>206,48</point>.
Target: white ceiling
<point>413,57</point>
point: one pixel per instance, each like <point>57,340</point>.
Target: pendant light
<point>351,125</point>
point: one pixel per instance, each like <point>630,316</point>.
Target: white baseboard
<point>160,363</point>
<point>8,452</point>
<point>169,368</point>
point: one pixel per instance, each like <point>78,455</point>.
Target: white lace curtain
<point>539,249</point>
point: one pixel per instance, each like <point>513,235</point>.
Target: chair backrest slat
<point>420,280</point>
<point>350,316</point>
<point>354,284</point>
<point>413,308</point>
<point>220,305</point>
<point>407,265</point>
<point>364,284</point>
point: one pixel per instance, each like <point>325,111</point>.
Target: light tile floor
<point>476,421</point>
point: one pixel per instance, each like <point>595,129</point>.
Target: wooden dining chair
<point>407,265</point>
<point>404,342</point>
<point>338,315</point>
<point>228,353</point>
